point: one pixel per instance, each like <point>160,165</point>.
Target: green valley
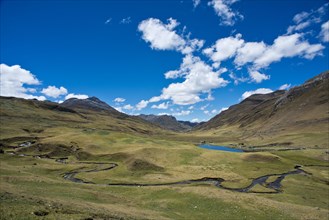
<point>128,168</point>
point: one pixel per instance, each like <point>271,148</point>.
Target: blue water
<point>222,148</point>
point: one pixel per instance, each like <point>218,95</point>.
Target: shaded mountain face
<point>303,110</point>
<point>190,124</point>
<point>89,104</point>
<point>168,122</point>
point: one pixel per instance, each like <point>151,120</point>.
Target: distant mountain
<point>298,114</point>
<point>168,122</point>
<point>190,124</point>
<point>89,104</point>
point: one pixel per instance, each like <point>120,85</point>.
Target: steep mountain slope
<point>168,122</point>
<point>252,109</point>
<point>282,116</point>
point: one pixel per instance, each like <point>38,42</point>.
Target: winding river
<point>273,187</point>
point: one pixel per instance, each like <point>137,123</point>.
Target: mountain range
<point>22,117</point>
<point>299,115</point>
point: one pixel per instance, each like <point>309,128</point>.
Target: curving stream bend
<point>217,182</point>
<point>275,186</point>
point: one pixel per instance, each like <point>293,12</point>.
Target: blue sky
<point>187,58</point>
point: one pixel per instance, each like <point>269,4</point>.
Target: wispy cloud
<point>223,10</point>
<point>324,34</point>
<point>196,3</point>
<point>304,19</point>
<point>126,20</point>
<point>108,21</point>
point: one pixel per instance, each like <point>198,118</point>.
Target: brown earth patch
<point>250,157</point>
<point>143,165</point>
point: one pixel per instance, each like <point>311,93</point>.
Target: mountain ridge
<point>168,122</point>
<point>90,104</point>
<point>22,115</point>
<point>301,111</point>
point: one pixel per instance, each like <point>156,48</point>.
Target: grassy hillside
<point>298,117</point>
<point>21,117</point>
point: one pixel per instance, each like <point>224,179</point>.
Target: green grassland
<point>34,188</point>
<point>30,186</point>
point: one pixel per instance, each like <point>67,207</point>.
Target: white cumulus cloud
<point>214,111</point>
<point>249,52</point>
<point>285,87</point>
<point>164,36</point>
<point>142,104</point>
<point>195,120</point>
<point>163,105</point>
<point>163,113</point>
<point>258,55</point>
<point>199,78</point>
<point>257,76</point>
<point>224,48</point>
<point>128,107</point>
<point>119,109</point>
<point>288,46</point>
<point>119,99</point>
<point>54,92</point>
<point>14,80</point>
<point>222,109</point>
<point>257,91</point>
<point>182,113</point>
<point>155,99</point>
<point>161,36</point>
<point>77,96</point>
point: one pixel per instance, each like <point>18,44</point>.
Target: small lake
<point>222,148</point>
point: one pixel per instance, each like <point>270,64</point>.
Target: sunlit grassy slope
<point>32,188</point>
<point>298,117</point>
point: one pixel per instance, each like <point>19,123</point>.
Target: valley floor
<point>33,187</point>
